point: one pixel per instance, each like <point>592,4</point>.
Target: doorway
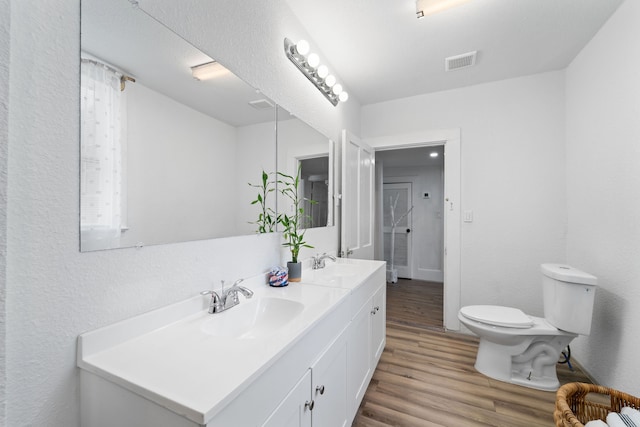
<point>449,139</point>
<point>413,180</point>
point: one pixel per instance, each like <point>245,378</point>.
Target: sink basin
<point>332,273</point>
<point>253,318</point>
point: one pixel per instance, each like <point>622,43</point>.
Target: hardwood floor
<point>426,375</point>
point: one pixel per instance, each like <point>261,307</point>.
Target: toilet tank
<point>568,295</point>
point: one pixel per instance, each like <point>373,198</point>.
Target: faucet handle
<point>215,304</point>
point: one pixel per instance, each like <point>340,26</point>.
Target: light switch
<point>467,216</point>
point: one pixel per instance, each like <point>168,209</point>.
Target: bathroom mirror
<point>168,158</point>
<point>300,145</point>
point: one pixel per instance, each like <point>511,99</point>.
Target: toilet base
<point>531,363</point>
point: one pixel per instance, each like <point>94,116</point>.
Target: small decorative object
<point>278,277</point>
<point>292,224</point>
<point>267,219</point>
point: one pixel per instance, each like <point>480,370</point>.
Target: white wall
<point>4,146</point>
<point>513,172</point>
<point>54,292</point>
<point>603,182</point>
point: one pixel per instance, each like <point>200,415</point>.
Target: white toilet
<point>521,349</point>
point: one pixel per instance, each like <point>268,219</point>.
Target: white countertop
<point>167,356</point>
<point>343,273</point>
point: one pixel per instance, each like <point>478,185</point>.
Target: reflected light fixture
<point>209,70</point>
<point>318,74</point>
<point>429,7</point>
<point>433,154</point>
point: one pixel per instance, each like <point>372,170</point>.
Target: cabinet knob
<point>309,405</point>
<point>320,389</point>
<point>377,308</point>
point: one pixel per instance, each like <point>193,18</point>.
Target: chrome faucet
<point>228,298</point>
<point>319,260</point>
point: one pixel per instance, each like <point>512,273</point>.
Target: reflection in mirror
<point>314,176</point>
<point>300,145</point>
<point>164,157</point>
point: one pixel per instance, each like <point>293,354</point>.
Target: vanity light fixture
<point>318,74</point>
<point>429,7</point>
<point>209,70</point>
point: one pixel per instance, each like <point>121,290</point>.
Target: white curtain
<point>101,156</point>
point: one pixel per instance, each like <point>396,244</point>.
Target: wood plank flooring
<point>426,375</point>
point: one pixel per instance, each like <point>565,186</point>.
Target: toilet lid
<point>506,317</point>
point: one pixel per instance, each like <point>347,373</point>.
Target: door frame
<point>450,138</point>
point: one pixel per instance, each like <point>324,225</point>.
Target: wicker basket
<point>573,408</point>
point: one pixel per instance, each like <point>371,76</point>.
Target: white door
<point>396,205</point>
<point>356,237</point>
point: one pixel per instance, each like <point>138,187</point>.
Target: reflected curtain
<point>101,156</point>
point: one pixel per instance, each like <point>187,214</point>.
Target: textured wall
<point>603,178</point>
<point>513,179</point>
<point>54,292</point>
<point>4,149</point>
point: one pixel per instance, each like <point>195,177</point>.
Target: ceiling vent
<point>460,61</point>
<point>261,104</point>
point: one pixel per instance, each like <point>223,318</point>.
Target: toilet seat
<point>506,317</point>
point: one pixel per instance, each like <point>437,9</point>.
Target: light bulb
<point>343,96</point>
<point>313,60</point>
<point>330,80</point>
<point>323,71</point>
<point>302,47</point>
<point>337,88</point>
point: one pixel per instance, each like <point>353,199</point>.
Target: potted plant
<point>292,223</point>
<point>267,219</point>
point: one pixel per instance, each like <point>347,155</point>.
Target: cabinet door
<point>329,386</point>
<point>378,324</point>
<point>359,357</point>
<point>294,410</point>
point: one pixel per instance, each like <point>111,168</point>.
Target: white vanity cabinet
<point>329,386</point>
<point>166,369</point>
<point>378,324</point>
<point>295,409</point>
<point>367,336</point>
<point>320,397</point>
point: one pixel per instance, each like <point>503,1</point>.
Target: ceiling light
<point>433,154</point>
<point>330,80</point>
<point>210,70</point>
<point>313,60</point>
<point>317,73</point>
<point>302,47</point>
<point>322,71</point>
<point>429,7</point>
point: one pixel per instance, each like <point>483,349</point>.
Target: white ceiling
<point>381,51</point>
<point>378,49</point>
